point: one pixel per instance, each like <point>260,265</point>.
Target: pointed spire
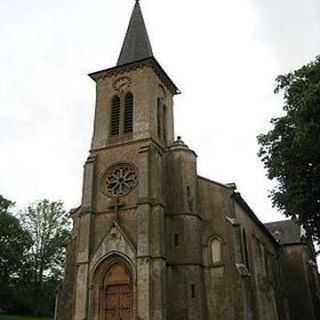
<point>136,45</point>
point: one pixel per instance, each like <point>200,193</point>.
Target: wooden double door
<point>118,302</point>
<point>117,294</point>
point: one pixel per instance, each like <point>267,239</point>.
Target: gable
<point>115,242</point>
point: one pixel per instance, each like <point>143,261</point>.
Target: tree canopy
<point>15,243</point>
<point>49,226</point>
<point>5,204</point>
<point>290,151</point>
<point>32,252</point>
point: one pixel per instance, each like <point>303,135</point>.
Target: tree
<point>290,151</point>
<point>15,243</point>
<point>49,225</point>
<point>5,204</point>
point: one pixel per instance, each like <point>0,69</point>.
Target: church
<point>153,240</point>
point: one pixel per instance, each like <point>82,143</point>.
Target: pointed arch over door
<point>112,290</point>
<point>117,293</point>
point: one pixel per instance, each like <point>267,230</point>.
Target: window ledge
<point>216,265</point>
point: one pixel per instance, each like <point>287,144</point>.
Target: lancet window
<point>115,116</point>
<point>128,113</point>
<point>161,120</point>
<point>159,117</point>
<point>216,251</point>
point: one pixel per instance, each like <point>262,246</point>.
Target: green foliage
<point>5,204</point>
<point>291,150</point>
<point>8,317</point>
<point>15,243</point>
<point>49,226</point>
<point>32,251</point>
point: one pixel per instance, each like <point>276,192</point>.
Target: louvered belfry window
<point>115,116</point>
<point>128,113</point>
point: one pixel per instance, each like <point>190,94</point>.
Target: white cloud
<point>291,29</point>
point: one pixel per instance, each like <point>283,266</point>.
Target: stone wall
<point>300,282</point>
<point>66,293</point>
<point>221,280</point>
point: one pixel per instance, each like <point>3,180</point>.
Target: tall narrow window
<point>128,113</point>
<point>159,117</point>
<point>262,256</point>
<point>216,251</point>
<point>245,249</point>
<point>193,291</point>
<point>176,240</point>
<point>164,121</point>
<point>115,116</point>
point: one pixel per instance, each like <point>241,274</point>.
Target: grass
<point>5,317</point>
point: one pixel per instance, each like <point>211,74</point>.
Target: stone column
<point>159,262</point>
<point>81,302</point>
<point>144,236</point>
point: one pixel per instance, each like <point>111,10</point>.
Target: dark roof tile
<point>285,232</point>
<point>136,45</point>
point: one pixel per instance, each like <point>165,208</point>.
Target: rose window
<point>121,179</point>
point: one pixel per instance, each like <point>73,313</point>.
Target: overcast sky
<point>223,55</point>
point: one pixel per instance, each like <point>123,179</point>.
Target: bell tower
<point>135,98</point>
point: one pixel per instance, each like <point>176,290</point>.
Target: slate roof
<point>285,232</point>
<point>136,45</point>
<point>237,196</point>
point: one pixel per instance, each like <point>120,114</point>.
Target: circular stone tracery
<point>121,179</point>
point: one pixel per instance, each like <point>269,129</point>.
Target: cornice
<point>148,62</point>
<point>161,149</point>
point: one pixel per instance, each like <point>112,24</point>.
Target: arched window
<point>164,123</point>
<point>128,113</point>
<point>115,116</point>
<point>216,251</point>
<point>159,117</point>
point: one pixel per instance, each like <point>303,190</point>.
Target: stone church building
<point>153,240</point>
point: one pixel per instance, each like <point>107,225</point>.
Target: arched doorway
<point>116,293</point>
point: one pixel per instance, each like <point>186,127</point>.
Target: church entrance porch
<point>114,291</point>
